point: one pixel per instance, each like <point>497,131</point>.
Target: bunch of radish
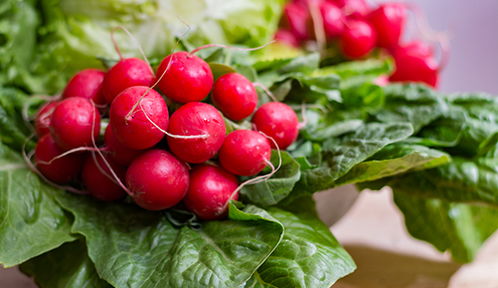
<point>355,30</point>
<point>158,156</point>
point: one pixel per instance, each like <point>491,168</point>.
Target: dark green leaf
<point>343,153</point>
<point>135,248</point>
<point>308,256</point>
<point>32,222</point>
<point>273,190</point>
<point>66,266</point>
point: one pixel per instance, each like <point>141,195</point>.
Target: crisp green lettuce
<point>45,46</point>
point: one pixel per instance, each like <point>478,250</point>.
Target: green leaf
<point>392,160</point>
<point>66,266</point>
<point>353,73</point>
<point>343,153</point>
<point>474,180</point>
<point>135,248</point>
<point>413,103</point>
<point>273,190</point>
<point>219,69</point>
<point>31,221</point>
<point>308,256</point>
<point>12,126</point>
<point>455,227</point>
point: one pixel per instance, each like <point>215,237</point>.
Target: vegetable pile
<point>336,126</point>
<point>155,174</point>
<point>351,29</point>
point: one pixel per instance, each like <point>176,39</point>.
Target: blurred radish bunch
<point>352,29</point>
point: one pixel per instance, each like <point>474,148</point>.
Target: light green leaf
<point>392,160</point>
<point>455,227</point>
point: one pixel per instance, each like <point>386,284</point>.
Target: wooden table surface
<point>373,233</point>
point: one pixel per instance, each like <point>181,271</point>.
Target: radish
<point>62,170</point>
<point>137,116</point>
<point>413,65</point>
<point>99,185</point>
<point>357,9</point>
<point>118,152</point>
<point>188,78</point>
<point>245,152</point>
<point>358,39</point>
<point>126,73</point>
<point>157,180</point>
<point>72,122</point>
<point>43,118</point>
<point>286,37</point>
<point>87,84</point>
<point>388,21</point>
<point>297,19</point>
<point>418,48</point>
<point>235,96</point>
<point>278,121</point>
<point>204,123</point>
<point>333,19</point>
<point>209,191</point>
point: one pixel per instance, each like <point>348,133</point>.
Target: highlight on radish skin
<point>196,118</point>
<point>124,74</point>
<point>60,171</point>
<point>388,21</point>
<point>72,122</point>
<point>278,121</point>
<point>98,180</point>
<point>188,78</point>
<point>209,190</point>
<point>86,84</point>
<point>43,118</point>
<point>136,130</point>
<point>235,96</point>
<point>157,180</point>
<point>245,152</point>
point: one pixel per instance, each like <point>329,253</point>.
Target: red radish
<point>157,180</point>
<point>417,48</point>
<point>126,73</point>
<point>43,118</point>
<point>118,152</point>
<point>286,37</point>
<point>388,21</point>
<point>62,170</point>
<point>235,96</point>
<point>188,78</point>
<point>72,122</point>
<point>414,68</point>
<point>357,9</point>
<point>358,39</point>
<point>99,185</point>
<point>333,19</point>
<point>200,119</point>
<point>210,189</point>
<point>297,19</point>
<point>278,121</point>
<point>87,84</point>
<point>133,116</point>
<point>245,152</point>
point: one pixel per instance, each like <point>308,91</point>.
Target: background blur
<point>473,31</point>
